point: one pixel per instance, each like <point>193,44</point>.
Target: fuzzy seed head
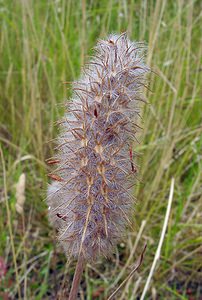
<point>90,199</point>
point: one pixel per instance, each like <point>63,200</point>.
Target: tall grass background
<point>45,43</point>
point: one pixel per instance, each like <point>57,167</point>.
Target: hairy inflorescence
<point>90,199</point>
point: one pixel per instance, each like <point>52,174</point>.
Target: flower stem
<point>77,278</point>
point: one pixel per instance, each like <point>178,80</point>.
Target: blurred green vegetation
<point>44,43</point>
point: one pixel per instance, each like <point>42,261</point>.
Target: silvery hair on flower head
<point>90,199</point>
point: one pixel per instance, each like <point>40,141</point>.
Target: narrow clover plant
<point>90,199</point>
